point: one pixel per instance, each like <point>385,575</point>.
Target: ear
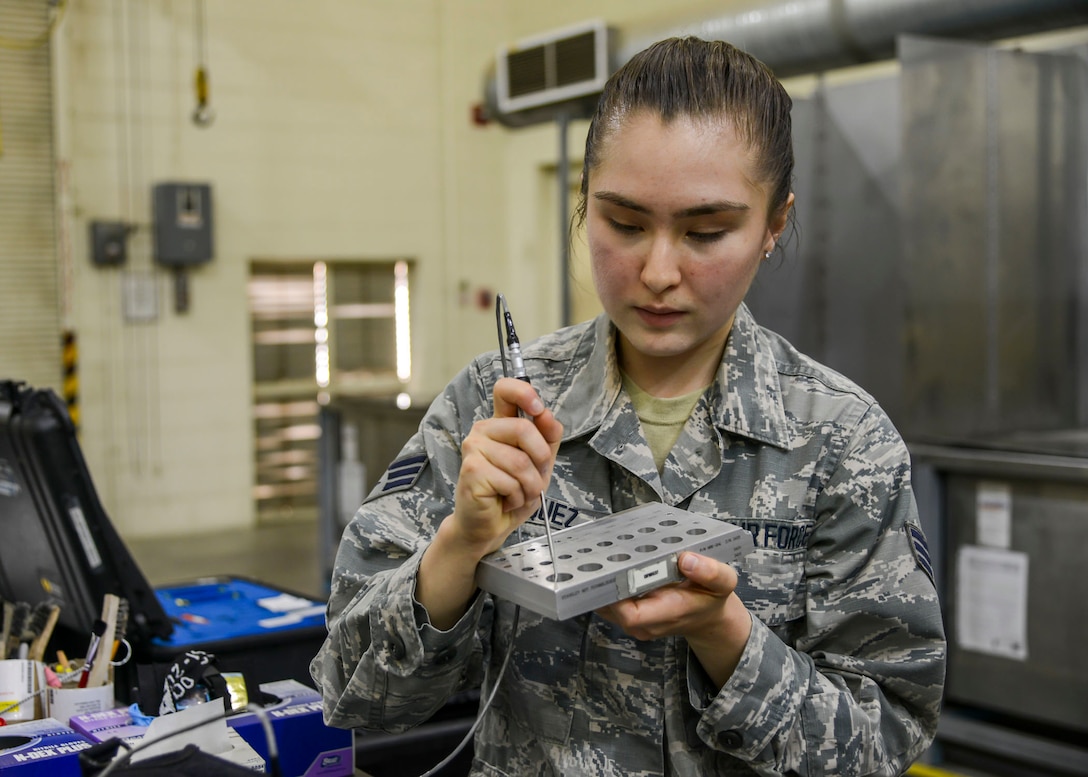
<point>776,224</point>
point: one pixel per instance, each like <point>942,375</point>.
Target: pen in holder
<point>72,698</point>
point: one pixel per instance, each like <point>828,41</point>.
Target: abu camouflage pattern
<point>843,672</point>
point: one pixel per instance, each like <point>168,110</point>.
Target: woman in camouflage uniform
<point>822,653</point>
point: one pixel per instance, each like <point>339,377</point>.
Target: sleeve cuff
<point>405,642</point>
<point>746,714</point>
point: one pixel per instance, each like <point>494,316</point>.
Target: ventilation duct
<point>805,36</point>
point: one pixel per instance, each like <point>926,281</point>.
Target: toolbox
<point>265,632</point>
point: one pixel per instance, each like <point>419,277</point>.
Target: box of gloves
<point>167,733</point>
<point>40,748</point>
<point>306,745</point>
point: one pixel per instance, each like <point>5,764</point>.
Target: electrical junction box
<point>183,223</point>
<point>109,243</point>
<point>594,564</point>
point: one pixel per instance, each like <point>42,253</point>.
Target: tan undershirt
<point>662,418</point>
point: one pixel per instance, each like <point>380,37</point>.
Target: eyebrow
<point>705,209</point>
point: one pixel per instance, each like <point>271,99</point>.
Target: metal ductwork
<point>806,36</point>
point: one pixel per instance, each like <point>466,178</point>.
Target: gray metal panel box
<point>183,223</point>
<point>1048,528</point>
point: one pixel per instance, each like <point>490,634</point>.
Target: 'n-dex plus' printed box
<point>40,748</point>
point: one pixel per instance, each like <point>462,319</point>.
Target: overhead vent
<point>553,67</point>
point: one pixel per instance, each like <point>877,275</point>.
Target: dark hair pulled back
<point>702,80</point>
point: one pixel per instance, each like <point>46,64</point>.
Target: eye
<point>706,237</point>
<point>624,229</point>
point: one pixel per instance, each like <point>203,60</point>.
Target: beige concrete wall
<point>342,130</point>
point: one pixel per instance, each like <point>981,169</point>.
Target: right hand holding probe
<point>506,463</point>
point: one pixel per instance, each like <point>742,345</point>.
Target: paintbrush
<point>100,669</point>
<point>97,630</point>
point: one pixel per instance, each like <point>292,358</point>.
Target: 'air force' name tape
<point>403,473</point>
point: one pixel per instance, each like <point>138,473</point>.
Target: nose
<point>661,267</point>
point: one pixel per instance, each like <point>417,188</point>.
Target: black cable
<point>500,309</point>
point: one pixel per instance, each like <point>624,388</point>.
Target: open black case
<point>58,544</point>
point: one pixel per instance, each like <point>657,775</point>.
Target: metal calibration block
<point>606,560</point>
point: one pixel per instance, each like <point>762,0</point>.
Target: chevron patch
<point>403,473</point>
<point>920,549</point>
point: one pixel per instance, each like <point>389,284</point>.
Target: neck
<point>671,376</point>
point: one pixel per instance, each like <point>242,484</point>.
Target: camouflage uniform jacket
<point>843,672</point>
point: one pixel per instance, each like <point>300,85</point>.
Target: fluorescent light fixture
<point>322,367</point>
<point>401,321</point>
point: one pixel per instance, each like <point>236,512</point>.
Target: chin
<point>662,346</point>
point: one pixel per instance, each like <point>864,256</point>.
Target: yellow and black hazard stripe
<point>70,358</point>
<point>924,770</point>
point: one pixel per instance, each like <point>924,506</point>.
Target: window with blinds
<point>30,339</point>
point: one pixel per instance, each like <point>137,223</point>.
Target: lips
<point>659,318</point>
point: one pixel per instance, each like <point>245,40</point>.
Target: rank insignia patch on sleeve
<point>920,549</point>
<point>403,473</point>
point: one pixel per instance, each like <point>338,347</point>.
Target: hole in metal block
<point>585,550</point>
<point>619,557</point>
<point>696,531</point>
<point>591,567</point>
<point>626,536</point>
<point>562,577</point>
<point>669,522</point>
<point>672,540</point>
<point>646,548</point>
<point>647,529</point>
<point>604,543</point>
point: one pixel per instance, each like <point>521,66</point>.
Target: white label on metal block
<point>649,576</point>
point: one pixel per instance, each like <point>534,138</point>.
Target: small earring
<point>766,254</point>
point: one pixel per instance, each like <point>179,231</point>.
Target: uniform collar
<point>747,398</point>
<point>752,402</point>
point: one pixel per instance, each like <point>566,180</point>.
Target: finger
<point>707,573</point>
<point>505,462</point>
<point>649,616</point>
<point>512,395</point>
<point>549,427</point>
<point>517,441</point>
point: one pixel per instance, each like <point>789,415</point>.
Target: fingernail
<point>688,563</point>
<point>536,407</point>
